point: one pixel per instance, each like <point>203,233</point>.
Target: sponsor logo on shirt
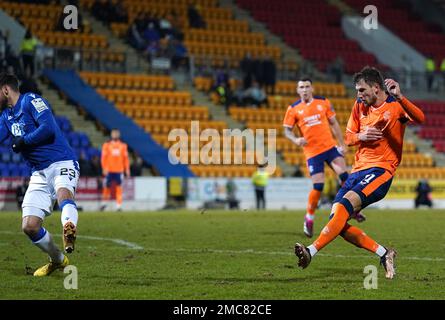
<point>312,120</point>
<point>39,104</point>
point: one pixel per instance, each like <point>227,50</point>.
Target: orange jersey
<point>385,153</point>
<point>313,122</point>
<point>115,157</point>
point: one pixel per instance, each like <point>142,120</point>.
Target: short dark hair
<point>305,79</point>
<point>371,76</point>
<point>9,80</point>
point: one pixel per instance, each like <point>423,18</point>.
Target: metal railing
<point>419,81</point>
<point>80,59</point>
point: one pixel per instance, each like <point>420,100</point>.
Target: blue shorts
<point>113,177</point>
<point>371,185</point>
<point>316,164</point>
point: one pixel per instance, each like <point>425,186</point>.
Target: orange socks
<point>106,193</point>
<point>119,195</point>
<point>357,237</point>
<point>338,226</point>
<point>334,226</point>
<point>312,203</point>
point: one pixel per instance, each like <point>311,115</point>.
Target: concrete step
<point>78,122</point>
<point>134,63</point>
<point>217,113</point>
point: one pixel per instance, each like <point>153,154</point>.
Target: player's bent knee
<point>317,178</point>
<point>31,225</point>
<point>30,230</point>
<point>354,199</point>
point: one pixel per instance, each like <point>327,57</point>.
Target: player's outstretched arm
<point>413,111</point>
<point>301,142</point>
<point>410,108</point>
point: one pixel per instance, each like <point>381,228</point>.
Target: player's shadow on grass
<point>29,272</point>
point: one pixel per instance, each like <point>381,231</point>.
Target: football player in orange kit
<point>315,117</point>
<point>377,126</point>
<point>115,163</point>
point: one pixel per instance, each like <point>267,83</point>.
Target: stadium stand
<point>427,38</point>
<point>82,94</point>
<point>156,107</point>
<point>159,111</point>
<point>43,20</point>
<point>324,21</point>
<point>223,41</point>
<point>433,129</point>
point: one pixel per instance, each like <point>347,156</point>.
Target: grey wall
<point>386,46</point>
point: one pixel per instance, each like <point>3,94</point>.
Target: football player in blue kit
<point>35,134</point>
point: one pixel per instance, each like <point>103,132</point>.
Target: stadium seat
<point>325,27</point>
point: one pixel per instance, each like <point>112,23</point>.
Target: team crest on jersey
<point>387,115</point>
<point>39,104</point>
<point>320,107</point>
<point>16,130</point>
<point>300,111</point>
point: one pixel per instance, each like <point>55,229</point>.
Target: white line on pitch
<point>121,242</point>
<point>135,246</point>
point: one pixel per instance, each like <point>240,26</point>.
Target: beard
<point>371,101</point>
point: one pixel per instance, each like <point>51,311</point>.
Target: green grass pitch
<point>225,255</point>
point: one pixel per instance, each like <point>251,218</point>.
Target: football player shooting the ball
<point>377,126</point>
